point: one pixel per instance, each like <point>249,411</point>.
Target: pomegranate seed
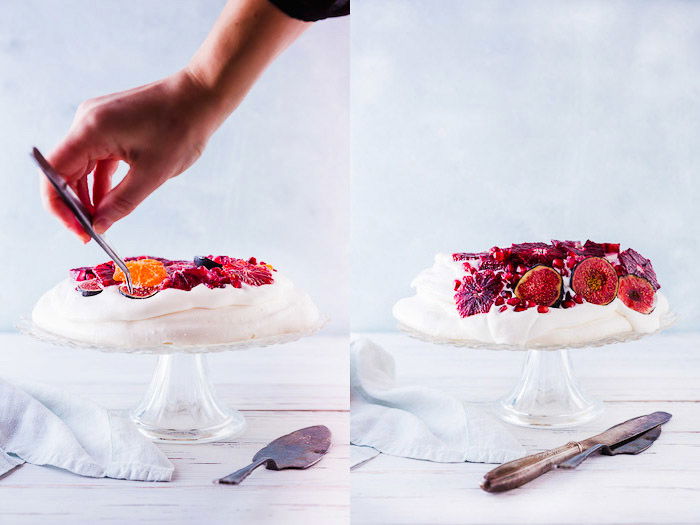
<point>513,301</point>
<point>503,308</point>
<point>578,299</point>
<point>531,304</point>
<point>570,262</point>
<point>499,301</point>
<point>565,273</point>
<point>521,269</point>
<point>568,304</point>
<point>457,284</point>
<point>520,308</point>
<point>507,294</point>
<point>619,270</point>
<point>512,268</point>
<point>558,263</point>
<point>543,309</point>
<point>508,276</point>
<point>499,256</point>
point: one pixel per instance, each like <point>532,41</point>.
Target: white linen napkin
<point>43,425</point>
<point>418,422</point>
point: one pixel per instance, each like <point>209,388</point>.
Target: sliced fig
<point>637,293</point>
<point>89,288</point>
<point>542,285</point>
<point>206,262</point>
<point>635,263</point>
<point>138,293</point>
<point>595,279</point>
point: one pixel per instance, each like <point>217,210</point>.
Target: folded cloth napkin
<point>43,425</point>
<point>418,422</point>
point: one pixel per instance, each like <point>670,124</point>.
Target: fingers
<point>102,179</point>
<point>72,157</point>
<point>53,203</point>
<point>83,192</point>
<point>116,204</point>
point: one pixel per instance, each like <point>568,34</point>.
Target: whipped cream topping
<point>198,316</point>
<point>432,311</point>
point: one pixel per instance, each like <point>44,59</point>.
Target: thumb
<point>121,200</point>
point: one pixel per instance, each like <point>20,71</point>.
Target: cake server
<point>635,446</point>
<point>73,203</point>
<point>516,473</point>
<point>299,450</point>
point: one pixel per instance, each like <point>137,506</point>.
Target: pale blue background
<point>484,122</point>
<point>273,182</point>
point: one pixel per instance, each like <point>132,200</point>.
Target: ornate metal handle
<point>518,472</point>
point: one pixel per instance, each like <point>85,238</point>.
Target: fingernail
<point>100,226</point>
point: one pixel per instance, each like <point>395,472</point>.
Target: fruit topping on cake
<point>559,275</point>
<point>89,287</point>
<point>542,285</point>
<point>477,293</point>
<point>150,275</point>
<point>595,279</point>
<point>634,263</point>
<point>637,293</point>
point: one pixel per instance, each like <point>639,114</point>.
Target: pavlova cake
<point>208,300</point>
<point>536,294</point>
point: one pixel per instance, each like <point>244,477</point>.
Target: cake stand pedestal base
<point>180,405</point>
<point>547,394</point>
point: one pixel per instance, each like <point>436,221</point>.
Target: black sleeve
<point>313,10</point>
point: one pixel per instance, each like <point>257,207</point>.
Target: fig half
<point>89,287</point>
<point>637,293</point>
<point>541,284</point>
<point>138,293</point>
<point>595,279</point>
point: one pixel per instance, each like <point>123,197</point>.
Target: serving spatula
<point>632,447</point>
<point>520,471</point>
<point>298,450</point>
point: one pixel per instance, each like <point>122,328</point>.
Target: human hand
<point>159,130</point>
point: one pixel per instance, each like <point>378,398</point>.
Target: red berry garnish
<point>542,309</point>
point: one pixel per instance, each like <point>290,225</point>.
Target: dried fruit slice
<point>596,280</point>
<point>637,293</point>
<point>468,256</point>
<point>635,263</point>
<point>251,274</point>
<point>536,253</point>
<point>541,284</point>
<point>138,293</point>
<point>477,293</point>
<point>145,273</point>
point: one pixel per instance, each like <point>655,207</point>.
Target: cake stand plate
<point>547,395</point>
<point>180,405</point>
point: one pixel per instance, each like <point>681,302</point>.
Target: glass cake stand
<point>180,405</point>
<point>547,395</point>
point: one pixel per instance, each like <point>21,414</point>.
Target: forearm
<point>248,35</point>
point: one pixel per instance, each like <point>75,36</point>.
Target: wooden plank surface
<point>661,485</point>
<point>278,389</point>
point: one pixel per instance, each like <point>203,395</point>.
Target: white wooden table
<point>279,389</point>
<point>661,485</point>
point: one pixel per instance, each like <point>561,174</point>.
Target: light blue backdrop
<point>273,182</point>
<point>484,122</point>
